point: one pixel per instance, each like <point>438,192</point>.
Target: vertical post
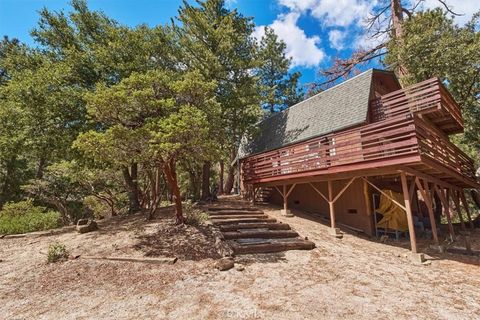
<point>456,201</point>
<point>447,212</point>
<point>331,204</point>
<point>467,209</point>
<point>254,194</point>
<point>285,198</point>
<point>408,209</point>
<point>427,197</point>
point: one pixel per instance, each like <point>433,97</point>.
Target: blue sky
<point>315,31</point>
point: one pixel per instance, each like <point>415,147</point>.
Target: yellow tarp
<point>394,217</point>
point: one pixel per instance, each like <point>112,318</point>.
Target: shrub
<point>57,252</point>
<point>194,216</point>
<point>24,216</point>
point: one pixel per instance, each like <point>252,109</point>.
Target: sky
<point>315,31</point>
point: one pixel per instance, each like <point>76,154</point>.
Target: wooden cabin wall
<point>350,208</point>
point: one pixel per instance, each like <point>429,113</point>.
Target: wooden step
<point>269,245</point>
<point>244,220</point>
<point>238,216</point>
<point>269,226</point>
<point>259,234</point>
<point>232,208</point>
<point>225,212</point>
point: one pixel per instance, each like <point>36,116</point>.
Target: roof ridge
<point>316,95</point>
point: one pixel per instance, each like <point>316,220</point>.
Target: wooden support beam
<point>331,204</point>
<point>446,207</point>
<point>427,197</point>
<point>456,201</point>
<point>285,204</point>
<point>319,192</point>
<point>408,209</point>
<point>344,189</point>
<point>386,195</point>
<point>290,190</point>
<point>467,209</point>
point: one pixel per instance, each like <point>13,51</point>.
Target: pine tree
<point>279,87</point>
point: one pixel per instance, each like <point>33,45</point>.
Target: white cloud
<point>337,39</point>
<point>342,12</point>
<point>465,7</point>
<point>303,50</point>
<point>333,12</point>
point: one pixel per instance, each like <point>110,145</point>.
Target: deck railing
<point>392,138</point>
<point>424,97</point>
<point>388,139</point>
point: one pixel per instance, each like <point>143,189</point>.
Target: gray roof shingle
<point>336,108</point>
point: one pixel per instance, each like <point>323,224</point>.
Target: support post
<point>334,231</point>
<point>467,209</point>
<point>427,197</point>
<point>446,206</point>
<point>286,212</point>
<point>408,209</point>
<point>456,201</point>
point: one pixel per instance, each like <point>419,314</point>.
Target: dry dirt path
<point>349,278</point>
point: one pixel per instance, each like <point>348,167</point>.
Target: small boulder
<point>86,225</point>
<point>224,264</point>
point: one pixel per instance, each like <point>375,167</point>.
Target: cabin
<point>366,154</point>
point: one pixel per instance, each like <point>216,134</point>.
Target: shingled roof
<point>342,106</point>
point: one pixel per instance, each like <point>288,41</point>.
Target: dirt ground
<point>350,278</point>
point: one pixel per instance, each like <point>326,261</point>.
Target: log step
<point>244,220</point>
<point>225,212</point>
<point>268,226</point>
<point>237,216</point>
<point>260,234</point>
<point>269,245</point>
<point>233,208</point>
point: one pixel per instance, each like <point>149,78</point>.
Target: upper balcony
<point>429,98</point>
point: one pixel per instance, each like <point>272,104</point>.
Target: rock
<point>224,264</point>
<point>239,267</point>
<point>86,225</point>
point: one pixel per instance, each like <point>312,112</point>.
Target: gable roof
<point>342,106</point>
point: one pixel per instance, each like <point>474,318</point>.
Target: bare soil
<point>352,278</point>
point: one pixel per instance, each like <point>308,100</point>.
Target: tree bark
<point>397,24</point>
<point>230,180</point>
<point>131,183</point>
<point>171,177</point>
<point>40,168</point>
<point>206,180</point>
<point>221,182</point>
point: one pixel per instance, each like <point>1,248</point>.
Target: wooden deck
<point>411,129</point>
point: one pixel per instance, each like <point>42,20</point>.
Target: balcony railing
<point>394,138</point>
<point>429,97</point>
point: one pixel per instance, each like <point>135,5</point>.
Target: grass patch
<point>24,216</point>
<point>57,252</point>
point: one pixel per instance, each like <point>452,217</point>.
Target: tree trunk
<point>230,180</point>
<point>40,168</point>
<point>132,187</point>
<point>221,182</point>
<point>206,180</point>
<point>397,24</point>
<point>171,176</point>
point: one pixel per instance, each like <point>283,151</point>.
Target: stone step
<point>268,226</point>
<point>243,220</point>
<point>259,234</point>
<point>237,216</point>
<point>244,246</point>
<point>225,212</point>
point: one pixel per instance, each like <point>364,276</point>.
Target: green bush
<point>57,252</point>
<point>194,216</point>
<point>24,216</point>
